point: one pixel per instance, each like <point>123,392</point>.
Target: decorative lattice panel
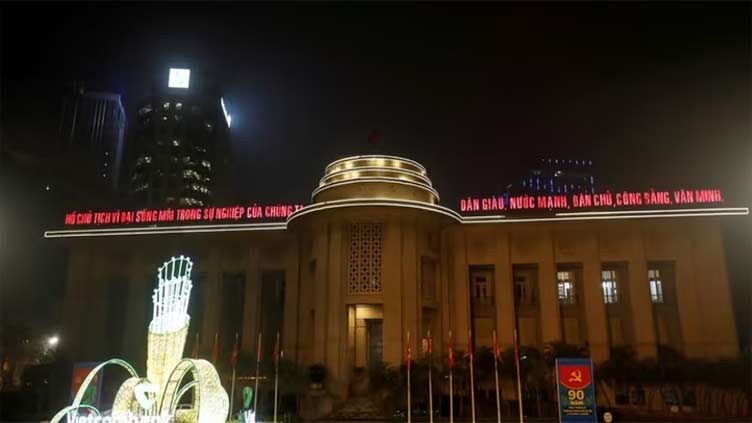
<point>364,268</point>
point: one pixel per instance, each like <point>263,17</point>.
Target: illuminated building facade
<point>94,123</point>
<point>374,256</point>
<point>181,137</point>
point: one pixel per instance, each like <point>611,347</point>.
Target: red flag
<point>194,354</point>
<point>496,352</point>
<point>373,137</point>
<point>469,352</point>
<point>409,352</point>
<point>430,343</point>
<point>451,351</point>
<point>215,349</point>
<point>235,352</point>
<point>276,352</point>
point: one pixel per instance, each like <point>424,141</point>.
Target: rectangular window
<point>480,287</point>
<point>656,286</point>
<point>566,287</point>
<point>520,289</point>
<point>610,292</point>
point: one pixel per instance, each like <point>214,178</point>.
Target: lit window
<point>147,159</point>
<point>175,143</point>
<point>480,287</point>
<point>206,164</point>
<point>164,117</point>
<point>166,105</point>
<point>656,287</point>
<point>566,287</point>
<point>186,159</point>
<point>179,106</point>
<point>209,126</point>
<point>610,293</point>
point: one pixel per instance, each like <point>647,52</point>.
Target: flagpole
<point>430,384</point>
<point>276,376</point>
<point>232,389</point>
<point>472,381</point>
<point>496,377</point>
<point>519,383</point>
<point>258,363</point>
<point>408,379</point>
<point>451,391</point>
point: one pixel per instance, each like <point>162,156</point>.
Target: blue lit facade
<point>557,176</point>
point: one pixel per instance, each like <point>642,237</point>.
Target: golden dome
<point>375,176</point>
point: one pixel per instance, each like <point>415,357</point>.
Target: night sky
<point>657,95</point>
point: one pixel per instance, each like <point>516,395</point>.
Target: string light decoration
<point>156,397</point>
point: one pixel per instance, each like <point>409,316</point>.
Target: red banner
<point>599,200</point>
<point>230,214</point>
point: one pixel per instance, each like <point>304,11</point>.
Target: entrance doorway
<point>365,335</point>
<point>375,341</point>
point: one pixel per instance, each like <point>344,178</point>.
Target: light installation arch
<point>155,398</point>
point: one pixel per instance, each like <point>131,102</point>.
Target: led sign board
<point>179,78</point>
<point>232,214</point>
<point>585,201</point>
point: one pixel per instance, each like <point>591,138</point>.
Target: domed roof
<point>375,176</point>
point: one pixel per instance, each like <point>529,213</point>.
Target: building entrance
<point>366,334</point>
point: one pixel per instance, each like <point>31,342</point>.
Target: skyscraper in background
<point>94,123</point>
<point>181,139</point>
<point>557,176</point>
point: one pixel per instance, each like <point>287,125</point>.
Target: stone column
<point>212,304</point>
<point>460,289</point>
<point>336,316</point>
<point>252,301</point>
<point>292,296</point>
<point>595,308</point>
<point>391,280</point>
<point>504,292</point>
<point>643,323</point>
<point>687,301</point>
<point>550,320</point>
<point>410,298</point>
<point>321,292</point>
<point>718,329</point>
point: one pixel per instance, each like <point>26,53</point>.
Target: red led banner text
<point>189,215</point>
<point>623,199</point>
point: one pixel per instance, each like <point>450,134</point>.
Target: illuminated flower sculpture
<point>156,397</point>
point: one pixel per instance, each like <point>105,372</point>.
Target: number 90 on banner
<point>576,391</point>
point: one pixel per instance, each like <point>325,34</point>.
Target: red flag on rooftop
<point>451,351</point>
<point>374,137</point>
<point>215,349</point>
<point>276,352</point>
<point>235,351</point>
